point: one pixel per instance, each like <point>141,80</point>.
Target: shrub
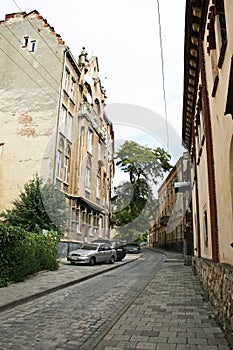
<point>24,253</point>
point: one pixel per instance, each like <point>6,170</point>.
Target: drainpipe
<point>59,113</point>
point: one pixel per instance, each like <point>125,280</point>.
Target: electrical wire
<point>31,53</point>
<point>29,63</point>
<point>35,82</point>
<point>163,75</point>
<point>50,48</point>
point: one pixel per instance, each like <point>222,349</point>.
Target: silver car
<point>91,253</point>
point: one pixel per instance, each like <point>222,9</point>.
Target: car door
<point>100,256</point>
<point>108,252</point>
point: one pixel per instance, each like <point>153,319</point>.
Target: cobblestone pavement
<point>79,314</point>
<point>169,314</point>
<point>120,309</point>
<point>46,282</point>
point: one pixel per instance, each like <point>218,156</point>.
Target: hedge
<point>24,253</point>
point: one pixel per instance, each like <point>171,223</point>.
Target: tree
<point>142,162</point>
<point>39,206</point>
<point>134,201</point>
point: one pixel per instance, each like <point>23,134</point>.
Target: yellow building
<point>208,136</point>
<point>53,123</point>
<point>170,230</point>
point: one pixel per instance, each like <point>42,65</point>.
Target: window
<point>66,169</point>
<point>229,104</point>
<point>99,151</point>
<point>69,126</point>
<point>25,41</point>
<point>88,178</point>
<point>66,80</point>
<point>90,138</point>
<point>206,228</point>
<point>1,148</point>
<point>98,187</point>
<point>62,120</point>
<point>33,46</point>
<point>72,88</point>
<point>59,162</point>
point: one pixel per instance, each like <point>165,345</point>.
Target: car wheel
<point>72,263</point>
<point>92,261</point>
<point>112,260</point>
<point>119,259</point>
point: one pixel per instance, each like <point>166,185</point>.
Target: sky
<point>124,35</point>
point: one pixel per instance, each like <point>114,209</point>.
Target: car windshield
<point>89,246</point>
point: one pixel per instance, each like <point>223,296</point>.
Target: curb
<point>59,287</point>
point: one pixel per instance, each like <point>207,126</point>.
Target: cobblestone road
<point>76,317</point>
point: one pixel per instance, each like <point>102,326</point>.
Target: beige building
<point>208,136</point>
<point>53,123</point>
<point>171,227</point>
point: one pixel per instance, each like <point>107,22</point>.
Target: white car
<point>91,253</point>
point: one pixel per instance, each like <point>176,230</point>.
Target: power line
<point>29,63</point>
<point>163,75</point>
<point>31,53</point>
<point>37,31</point>
<point>35,82</point>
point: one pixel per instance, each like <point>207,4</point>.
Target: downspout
<point>59,113</point>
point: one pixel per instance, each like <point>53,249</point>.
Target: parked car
<point>133,248</point>
<point>91,253</point>
<point>118,245</point>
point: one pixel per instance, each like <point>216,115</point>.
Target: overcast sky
<point>124,35</point>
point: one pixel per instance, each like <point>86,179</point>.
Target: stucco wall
<point>29,99</point>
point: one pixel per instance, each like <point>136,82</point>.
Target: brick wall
<point>217,283</point>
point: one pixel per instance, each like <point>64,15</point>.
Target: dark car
<point>118,245</point>
<point>133,248</point>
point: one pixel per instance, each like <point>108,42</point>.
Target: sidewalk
<point>169,314</point>
<point>46,282</point>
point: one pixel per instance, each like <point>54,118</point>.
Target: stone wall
<point>217,283</point>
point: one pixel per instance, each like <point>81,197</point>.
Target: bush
<point>24,253</point>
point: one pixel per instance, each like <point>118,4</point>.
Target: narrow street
<point>147,304</point>
<point>72,316</point>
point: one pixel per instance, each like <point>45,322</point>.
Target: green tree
<point>142,162</point>
<point>39,206</point>
<point>134,201</point>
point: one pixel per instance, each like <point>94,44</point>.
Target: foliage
<point>24,253</point>
<point>142,162</point>
<point>38,207</point>
<point>134,201</point>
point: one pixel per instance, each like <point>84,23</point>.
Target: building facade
<point>171,227</point>
<point>53,123</point>
<point>208,136</point>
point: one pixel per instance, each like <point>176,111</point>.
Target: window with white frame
<point>59,164</point>
<point>66,168</point>
<point>69,126</point>
<point>89,141</point>
<point>25,41</point>
<point>62,119</point>
<point>98,187</point>
<point>99,150</point>
<point>72,88</point>
<point>33,46</point>
<point>88,178</point>
<point>66,79</point>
